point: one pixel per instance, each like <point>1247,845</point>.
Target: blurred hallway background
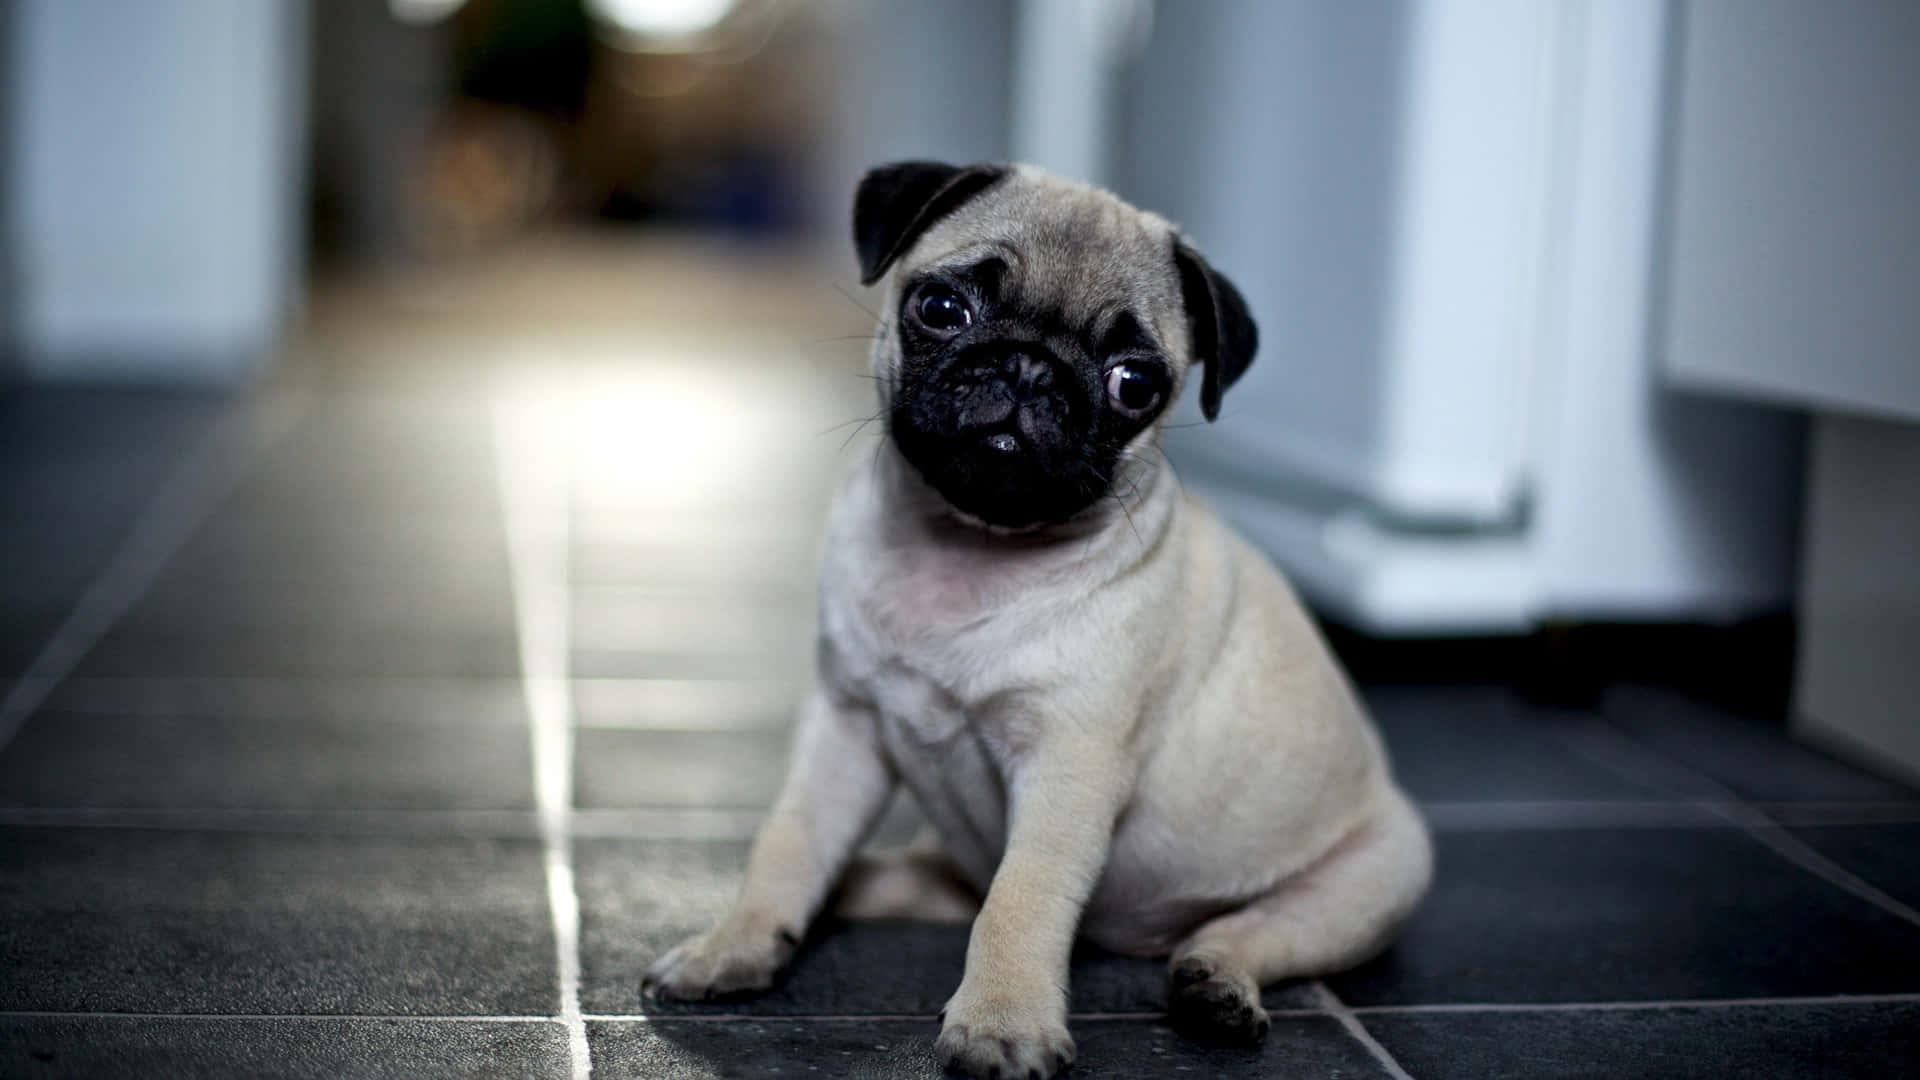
<point>417,419</point>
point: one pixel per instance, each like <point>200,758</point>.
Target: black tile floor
<point>326,706</point>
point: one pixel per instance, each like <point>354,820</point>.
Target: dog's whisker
<point>870,313</point>
<point>856,432</point>
<point>844,423</point>
<point>1130,523</point>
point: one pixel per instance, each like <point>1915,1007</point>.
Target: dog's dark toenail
<point>792,939</point>
<point>1190,972</point>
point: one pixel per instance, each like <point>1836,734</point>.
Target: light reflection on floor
<point>685,406</point>
<point>296,784</point>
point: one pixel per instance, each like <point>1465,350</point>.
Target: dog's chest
<point>949,761</point>
<point>930,726</point>
<point>915,711</point>
<point>934,604</point>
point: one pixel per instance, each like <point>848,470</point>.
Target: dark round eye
<point>1134,388</point>
<point>940,309</point>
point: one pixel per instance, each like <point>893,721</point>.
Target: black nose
<point>997,430</point>
<point>1025,369</point>
<point>1028,374</point>
<point>991,385</point>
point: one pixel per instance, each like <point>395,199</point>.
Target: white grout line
<point>902,1018</point>
<point>1675,813</point>
<point>1796,851</point>
<point>721,823</point>
<point>532,448</point>
<point>1612,749</point>
<point>647,823</point>
<point>488,823</point>
<point>208,473</point>
<point>1635,1006</point>
<point>1819,815</point>
<point>768,1018</point>
<point>695,823</point>
<point>1521,816</point>
<point>670,823</point>
<point>1338,1009</point>
<point>1606,746</point>
<point>46,1014</point>
<point>399,698</point>
<point>1333,1007</point>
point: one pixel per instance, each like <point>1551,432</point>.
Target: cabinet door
<point>1796,214</point>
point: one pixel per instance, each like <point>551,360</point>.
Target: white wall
<point>153,181</point>
<point>913,79</point>
<point>1067,63</point>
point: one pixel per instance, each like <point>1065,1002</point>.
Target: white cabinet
<point>1796,278</point>
<point>1796,236</point>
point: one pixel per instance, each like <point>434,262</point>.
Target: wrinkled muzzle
<point>999,431</point>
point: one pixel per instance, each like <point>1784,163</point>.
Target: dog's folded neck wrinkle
<point>1114,510</point>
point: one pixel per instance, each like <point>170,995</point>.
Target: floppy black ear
<point>898,202</point>
<point>1224,337</point>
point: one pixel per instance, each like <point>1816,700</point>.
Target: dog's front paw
<point>722,962</point>
<point>1005,1037</point>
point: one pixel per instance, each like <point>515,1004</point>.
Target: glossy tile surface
<point>1831,1041</point>
<point>166,921</point>
<point>498,611</point>
<point>296,1049</point>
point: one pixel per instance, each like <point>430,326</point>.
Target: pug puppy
<point>1117,717</point>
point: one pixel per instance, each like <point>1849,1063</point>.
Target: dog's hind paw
<point>1212,1001</point>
